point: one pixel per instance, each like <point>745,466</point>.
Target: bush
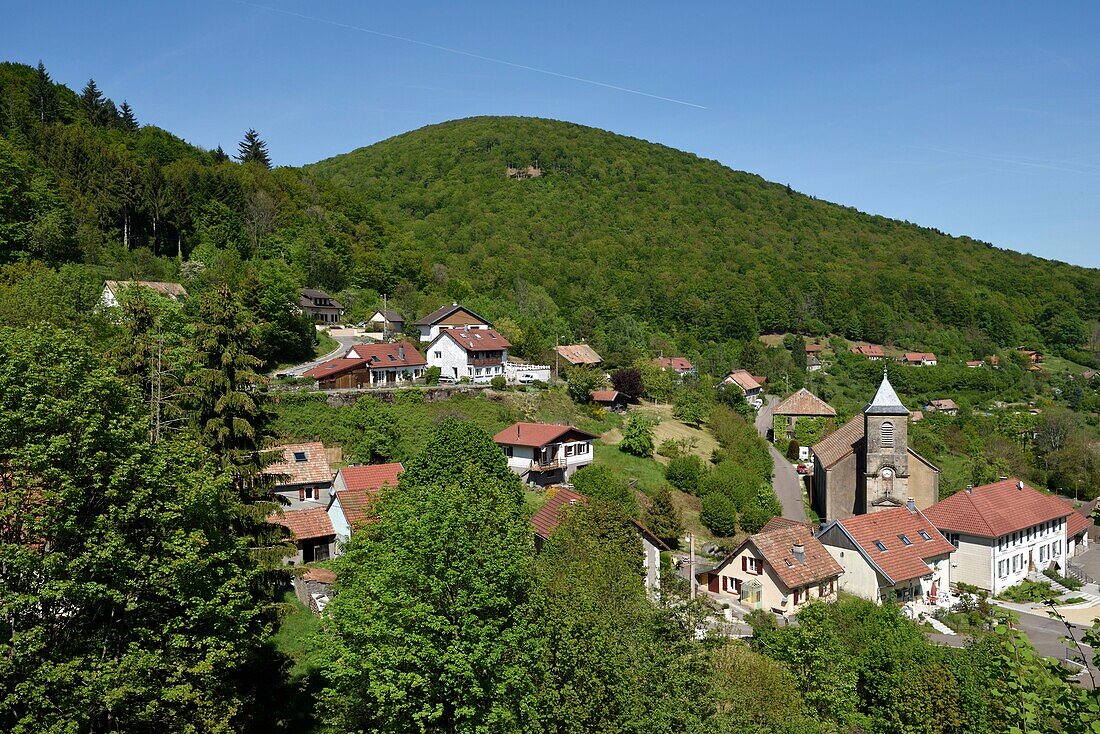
<point>792,450</point>
<point>498,382</point>
<point>599,482</point>
<point>1028,591</point>
<point>432,375</point>
<point>719,514</point>
<point>686,473</point>
<point>638,436</point>
<point>1067,581</point>
<point>671,448</point>
<point>582,381</point>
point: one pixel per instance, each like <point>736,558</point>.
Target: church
<point>866,465</point>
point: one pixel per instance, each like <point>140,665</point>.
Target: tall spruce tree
<point>126,117</point>
<point>230,416</point>
<point>253,150</point>
<point>94,104</point>
<point>663,519</point>
<point>44,96</point>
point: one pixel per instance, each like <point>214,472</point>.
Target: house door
<point>752,594</point>
<point>712,584</point>
<point>1031,560</point>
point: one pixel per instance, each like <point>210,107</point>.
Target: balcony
<point>486,361</point>
<point>550,465</point>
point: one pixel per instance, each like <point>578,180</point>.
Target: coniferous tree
<point>45,95</point>
<point>94,104</point>
<point>127,119</point>
<point>663,519</point>
<point>220,156</point>
<point>230,416</point>
<point>253,150</point>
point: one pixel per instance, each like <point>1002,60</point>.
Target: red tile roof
<point>605,396</point>
<point>334,368</point>
<point>302,463</point>
<point>899,562</point>
<point>1077,523</point>
<point>477,340</point>
<point>775,544</point>
<point>680,364</point>
<point>813,348</point>
<point>779,522</point>
<point>371,477</point>
<point>387,354</point>
<point>307,524</point>
<point>558,502</point>
<point>538,434</point>
<point>356,505</point>
<point>805,403</point>
<point>743,380</point>
<point>993,510</point>
<point>320,575</point>
<point>974,363</point>
<point>944,404</point>
<point>869,350</point>
<point>578,354</point>
<point>918,357</point>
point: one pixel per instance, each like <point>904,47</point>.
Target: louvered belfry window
<point>887,435</point>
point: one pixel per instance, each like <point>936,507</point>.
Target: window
<point>507,451</point>
<point>582,448</point>
<point>953,539</point>
<point>300,456</point>
<point>1002,568</point>
<point>1057,547</point>
<point>824,589</point>
<point>438,354</point>
<point>752,565</point>
<point>879,544</point>
<point>904,539</point>
<point>886,435</point>
<point>725,583</point>
<point>797,595</point>
<point>1042,553</point>
<point>570,450</point>
<point>924,535</point>
<point>737,586</point>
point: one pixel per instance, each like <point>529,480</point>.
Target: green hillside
<point>619,228</point>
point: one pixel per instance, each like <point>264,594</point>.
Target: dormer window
<point>924,535</point>
<point>300,456</point>
<point>886,435</point>
<point>904,539</point>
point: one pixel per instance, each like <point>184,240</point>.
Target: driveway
<point>787,483</point>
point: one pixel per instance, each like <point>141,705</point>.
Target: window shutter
<point>744,563</point>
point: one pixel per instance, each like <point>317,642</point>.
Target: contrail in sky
<point>469,54</point>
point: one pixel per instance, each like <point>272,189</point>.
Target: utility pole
<point>385,318</point>
<point>691,563</point>
<point>557,356</point>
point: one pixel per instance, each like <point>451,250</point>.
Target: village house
<point>545,453</point>
<point>1005,530</point>
<point>873,352</point>
<point>946,406</point>
<point>609,399</point>
<point>478,355</point>
<point>803,405</point>
<point>814,350</point>
<point>560,500</point>
<point>579,355</point>
<point>387,321</point>
<point>320,306</point>
<point>746,383</point>
<point>301,475</point>
<point>680,365</point>
<point>780,569</point>
<point>454,316</point>
<point>975,363</point>
<point>370,365</point>
<point>813,364</point>
<point>112,289</point>
<point>923,359</point>
<point>895,553</point>
<point>353,491</point>
<point>1033,356</point>
<point>866,465</point>
<point>312,532</point>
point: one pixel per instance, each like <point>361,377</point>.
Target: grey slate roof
<point>886,401</point>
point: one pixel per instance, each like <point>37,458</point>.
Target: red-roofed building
<point>609,399</point>
<point>748,384</point>
<point>560,501</point>
<point>896,553</point>
<point>545,453</point>
<point>975,363</point>
<point>312,531</point>
<point>1003,531</point>
<point>302,476</point>
<point>455,316</point>
<point>370,365</point>
<point>679,365</point>
<point>781,569</point>
<point>478,355</point>
<point>924,359</point>
<point>353,491</point>
<point>873,352</point>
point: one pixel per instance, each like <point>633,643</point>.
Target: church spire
<point>886,401</point>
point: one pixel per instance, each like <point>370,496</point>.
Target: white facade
<point>455,362</point>
<point>862,577</point>
<point>549,461</point>
<point>518,373</point>
<point>998,564</point>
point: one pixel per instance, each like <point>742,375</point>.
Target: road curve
<point>345,343</point>
<point>787,483</point>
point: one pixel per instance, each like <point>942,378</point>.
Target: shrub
<point>432,375</point>
<point>599,482</point>
<point>1067,581</point>
<point>670,448</point>
<point>638,436</point>
<point>663,519</point>
<point>719,514</point>
<point>498,382</point>
<point>1029,591</point>
<point>792,450</point>
<point>686,473</point>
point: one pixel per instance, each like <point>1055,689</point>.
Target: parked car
<point>526,378</point>
<point>447,380</point>
<point>803,469</point>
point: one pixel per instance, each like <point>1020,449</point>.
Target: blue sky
<point>981,120</point>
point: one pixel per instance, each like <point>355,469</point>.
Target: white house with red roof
<point>370,365</point>
<point>781,569</point>
<point>545,453</point>
<point>311,531</point>
<point>476,354</point>
<point>680,365</point>
<point>455,316</point>
<point>923,359</point>
<point>301,474</point>
<point>896,553</point>
<point>353,491</point>
<point>1004,531</point>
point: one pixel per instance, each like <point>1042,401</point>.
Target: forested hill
<point>619,227</point>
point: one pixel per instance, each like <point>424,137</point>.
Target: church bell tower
<point>886,447</point>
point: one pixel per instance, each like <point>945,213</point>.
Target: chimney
<point>401,352</point>
<point>970,489</point>
<point>799,552</point>
<point>911,505</point>
<point>1020,484</point>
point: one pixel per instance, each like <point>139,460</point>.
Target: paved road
<point>787,483</point>
<point>345,344</point>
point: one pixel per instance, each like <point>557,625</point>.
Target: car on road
<point>447,380</point>
<point>802,469</point>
